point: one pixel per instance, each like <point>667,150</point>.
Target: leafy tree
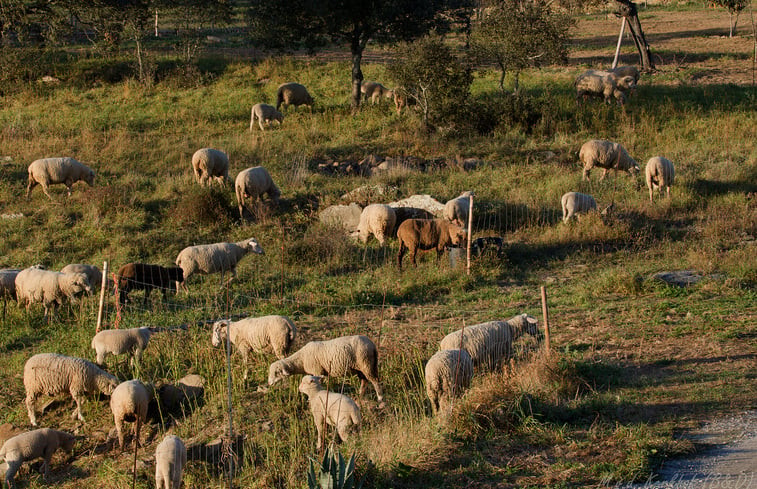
<point>734,10</point>
<point>518,34</point>
<point>314,24</point>
<point>433,77</point>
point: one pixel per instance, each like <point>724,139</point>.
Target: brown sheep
<point>143,276</point>
<point>428,234</point>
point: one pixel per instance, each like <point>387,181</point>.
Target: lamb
<point>52,374</point>
<point>428,234</point>
<point>574,203</point>
<point>264,113</point>
<point>338,358</point>
<point>448,374</point>
<point>603,84</point>
<point>262,334</point>
<point>94,275</point>
<point>213,258</point>
<point>143,276</point>
<point>129,402</point>
<point>31,445</point>
<point>51,171</point>
<point>121,341</point>
<point>170,459</point>
<point>377,220</point>
<point>606,155</point>
<point>8,282</point>
<point>660,174</point>
<point>490,343</point>
<point>293,94</point>
<point>334,409</point>
<point>209,163</point>
<point>251,184</point>
<point>456,210</point>
<point>374,91</point>
<point>50,288</point>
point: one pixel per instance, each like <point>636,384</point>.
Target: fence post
<point>545,313</point>
<point>231,412</point>
<point>102,297</point>
<point>470,231</point>
<point>620,39</point>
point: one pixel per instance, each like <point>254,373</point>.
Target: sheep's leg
<point>77,412</point>
<point>10,473</point>
<point>31,405</point>
<point>400,254</point>
<point>604,174</point>
<point>45,468</point>
<point>147,296</point>
<point>120,432</point>
<point>319,429</point>
<point>413,253</point>
<point>32,184</point>
<point>586,175</point>
<point>650,195</point>
<point>44,189</point>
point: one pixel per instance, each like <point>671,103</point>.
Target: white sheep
<point>378,220</point>
<point>129,402</point>
<point>209,163</point>
<point>606,155</point>
<point>334,409</point>
<point>264,113</point>
<point>603,84</point>
<point>94,275</point>
<point>293,94</point>
<point>490,343</point>
<point>374,91</point>
<point>170,459</point>
<point>51,374</point>
<point>456,210</point>
<point>214,258</point>
<point>448,375</point>
<point>31,445</point>
<point>251,184</point>
<point>660,174</point>
<point>51,171</point>
<point>8,282</point>
<point>574,203</point>
<point>50,288</point>
<point>273,334</point>
<point>339,357</point>
<point>132,341</point>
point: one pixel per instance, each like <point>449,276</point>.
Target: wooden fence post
<point>545,313</point>
<point>470,231</point>
<point>102,297</point>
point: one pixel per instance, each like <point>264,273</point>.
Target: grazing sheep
<point>31,445</point>
<point>574,203</point>
<point>448,375</point>
<point>52,374</point>
<point>51,171</point>
<point>94,275</point>
<point>606,155</point>
<point>660,174</point>
<point>264,113</point>
<point>377,220</point>
<point>405,213</point>
<point>8,282</point>
<point>251,184</point>
<point>143,276</point>
<point>183,396</point>
<point>603,84</point>
<point>456,210</point>
<point>170,459</point>
<point>210,164</point>
<point>428,234</point>
<point>50,288</point>
<point>214,258</point>
<point>131,341</point>
<point>129,402</point>
<point>490,343</point>
<point>262,334</point>
<point>293,94</point>
<point>337,358</point>
<point>335,409</point>
<point>479,246</point>
<point>374,91</point>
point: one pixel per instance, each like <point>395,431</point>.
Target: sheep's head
<point>531,325</point>
<point>254,246</point>
<point>634,168</point>
<point>66,441</point>
<point>626,83</point>
<point>219,332</point>
<point>458,236</point>
<point>176,274</point>
<point>310,383</point>
<point>106,383</point>
<point>277,371</point>
<point>79,283</point>
<point>90,178</point>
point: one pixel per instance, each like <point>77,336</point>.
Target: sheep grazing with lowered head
<point>94,275</point>
<point>251,184</point>
<point>377,220</point>
<point>145,276</point>
<point>132,342</point>
<point>51,374</point>
<point>50,288</point>
<point>375,91</point>
<point>575,203</point>
<point>51,171</point>
<point>456,210</point>
<point>264,113</point>
<point>273,334</point>
<point>210,164</point>
<point>293,94</point>
<point>607,155</point>
<point>339,357</point>
<point>448,375</point>
<point>428,234</point>
<point>215,258</point>
<point>489,344</point>
<point>330,408</point>
<point>170,459</point>
<point>129,402</point>
<point>660,174</point>
<point>603,84</point>
<point>31,445</point>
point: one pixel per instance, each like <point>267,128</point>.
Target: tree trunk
<point>628,10</point>
<point>516,88</point>
<point>502,77</point>
<point>357,74</point>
